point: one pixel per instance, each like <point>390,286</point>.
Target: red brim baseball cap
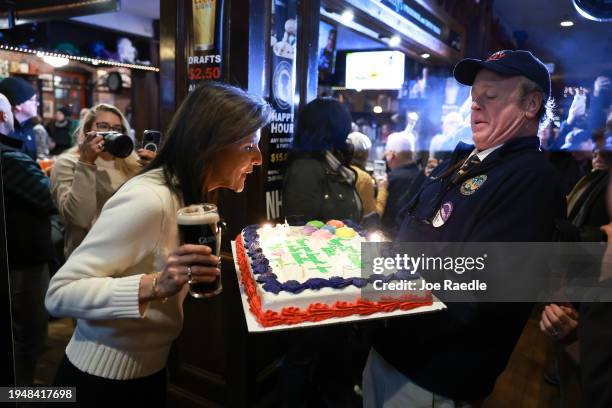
<point>506,62</point>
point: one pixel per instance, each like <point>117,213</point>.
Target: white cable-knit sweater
<point>98,285</point>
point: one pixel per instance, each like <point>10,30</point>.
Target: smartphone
<point>380,169</point>
<point>151,140</point>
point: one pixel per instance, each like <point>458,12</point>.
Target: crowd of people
<point>518,180</point>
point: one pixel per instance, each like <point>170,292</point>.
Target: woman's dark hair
<point>323,124</point>
<point>212,117</point>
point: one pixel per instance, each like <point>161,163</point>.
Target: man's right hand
<point>91,147</point>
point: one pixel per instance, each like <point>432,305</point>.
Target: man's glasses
<point>105,127</point>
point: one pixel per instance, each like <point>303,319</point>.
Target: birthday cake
<point>309,273</point>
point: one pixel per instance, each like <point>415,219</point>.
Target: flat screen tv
<point>327,50</point>
<point>374,70</point>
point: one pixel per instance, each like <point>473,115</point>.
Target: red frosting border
<point>316,311</point>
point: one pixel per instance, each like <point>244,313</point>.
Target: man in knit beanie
<point>24,102</point>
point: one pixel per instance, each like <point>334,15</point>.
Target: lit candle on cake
<point>273,235</point>
<point>284,229</point>
<point>266,229</point>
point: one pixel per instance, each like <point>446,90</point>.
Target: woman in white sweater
<point>84,177</point>
<point>125,284</point>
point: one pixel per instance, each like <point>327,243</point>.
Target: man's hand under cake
<point>187,259</point>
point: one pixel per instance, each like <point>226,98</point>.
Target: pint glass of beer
<point>200,224</point>
<point>204,24</point>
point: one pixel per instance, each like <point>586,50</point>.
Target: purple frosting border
<point>265,276</point>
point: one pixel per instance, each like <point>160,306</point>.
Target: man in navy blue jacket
<point>500,190</point>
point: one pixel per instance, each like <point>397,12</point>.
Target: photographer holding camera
<point>85,177</point>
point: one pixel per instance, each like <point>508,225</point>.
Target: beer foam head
<point>198,214</point>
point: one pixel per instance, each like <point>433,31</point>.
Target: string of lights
<point>93,61</point>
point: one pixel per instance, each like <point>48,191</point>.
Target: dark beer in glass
<point>200,224</point>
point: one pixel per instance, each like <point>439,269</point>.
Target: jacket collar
<point>511,146</point>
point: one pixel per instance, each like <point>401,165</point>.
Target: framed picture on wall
<point>47,109</point>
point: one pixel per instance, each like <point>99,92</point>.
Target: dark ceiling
<point>581,51</point>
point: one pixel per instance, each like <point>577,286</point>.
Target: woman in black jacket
<point>319,184</point>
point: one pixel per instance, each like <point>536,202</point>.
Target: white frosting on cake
<point>296,256</point>
<point>287,248</point>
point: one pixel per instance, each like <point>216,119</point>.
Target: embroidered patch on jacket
<point>470,186</point>
<point>443,214</point>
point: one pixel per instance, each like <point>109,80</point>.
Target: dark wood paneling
<point>307,48</point>
<point>168,37</point>
<point>145,97</point>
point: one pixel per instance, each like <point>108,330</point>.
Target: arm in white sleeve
<point>73,186</point>
<point>94,282</point>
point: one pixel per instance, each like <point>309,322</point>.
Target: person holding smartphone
<point>151,140</point>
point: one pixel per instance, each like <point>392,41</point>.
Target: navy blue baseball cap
<point>507,62</point>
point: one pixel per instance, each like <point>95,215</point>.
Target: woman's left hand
<point>145,156</point>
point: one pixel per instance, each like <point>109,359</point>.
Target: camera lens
<point>117,144</point>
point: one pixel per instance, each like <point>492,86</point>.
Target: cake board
<point>254,326</point>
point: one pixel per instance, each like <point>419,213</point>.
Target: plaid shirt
<point>23,177</point>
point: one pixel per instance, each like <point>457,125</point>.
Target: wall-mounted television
<point>374,70</point>
<point>327,48</point>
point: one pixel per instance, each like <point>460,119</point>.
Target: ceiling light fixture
<point>425,55</point>
<point>595,10</point>
<point>567,23</point>
<point>55,62</point>
<point>395,41</point>
<point>347,17</point>
<point>377,109</point>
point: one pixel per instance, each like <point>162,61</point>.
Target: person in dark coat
<point>399,155</point>
<point>319,183</point>
<point>61,130</point>
<point>28,206</point>
<point>500,190</point>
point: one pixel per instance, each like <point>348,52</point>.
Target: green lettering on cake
<point>329,251</point>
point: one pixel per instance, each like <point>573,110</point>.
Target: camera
<point>151,139</point>
<point>117,144</point>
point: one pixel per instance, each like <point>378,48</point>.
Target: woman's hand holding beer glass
<point>190,264</point>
